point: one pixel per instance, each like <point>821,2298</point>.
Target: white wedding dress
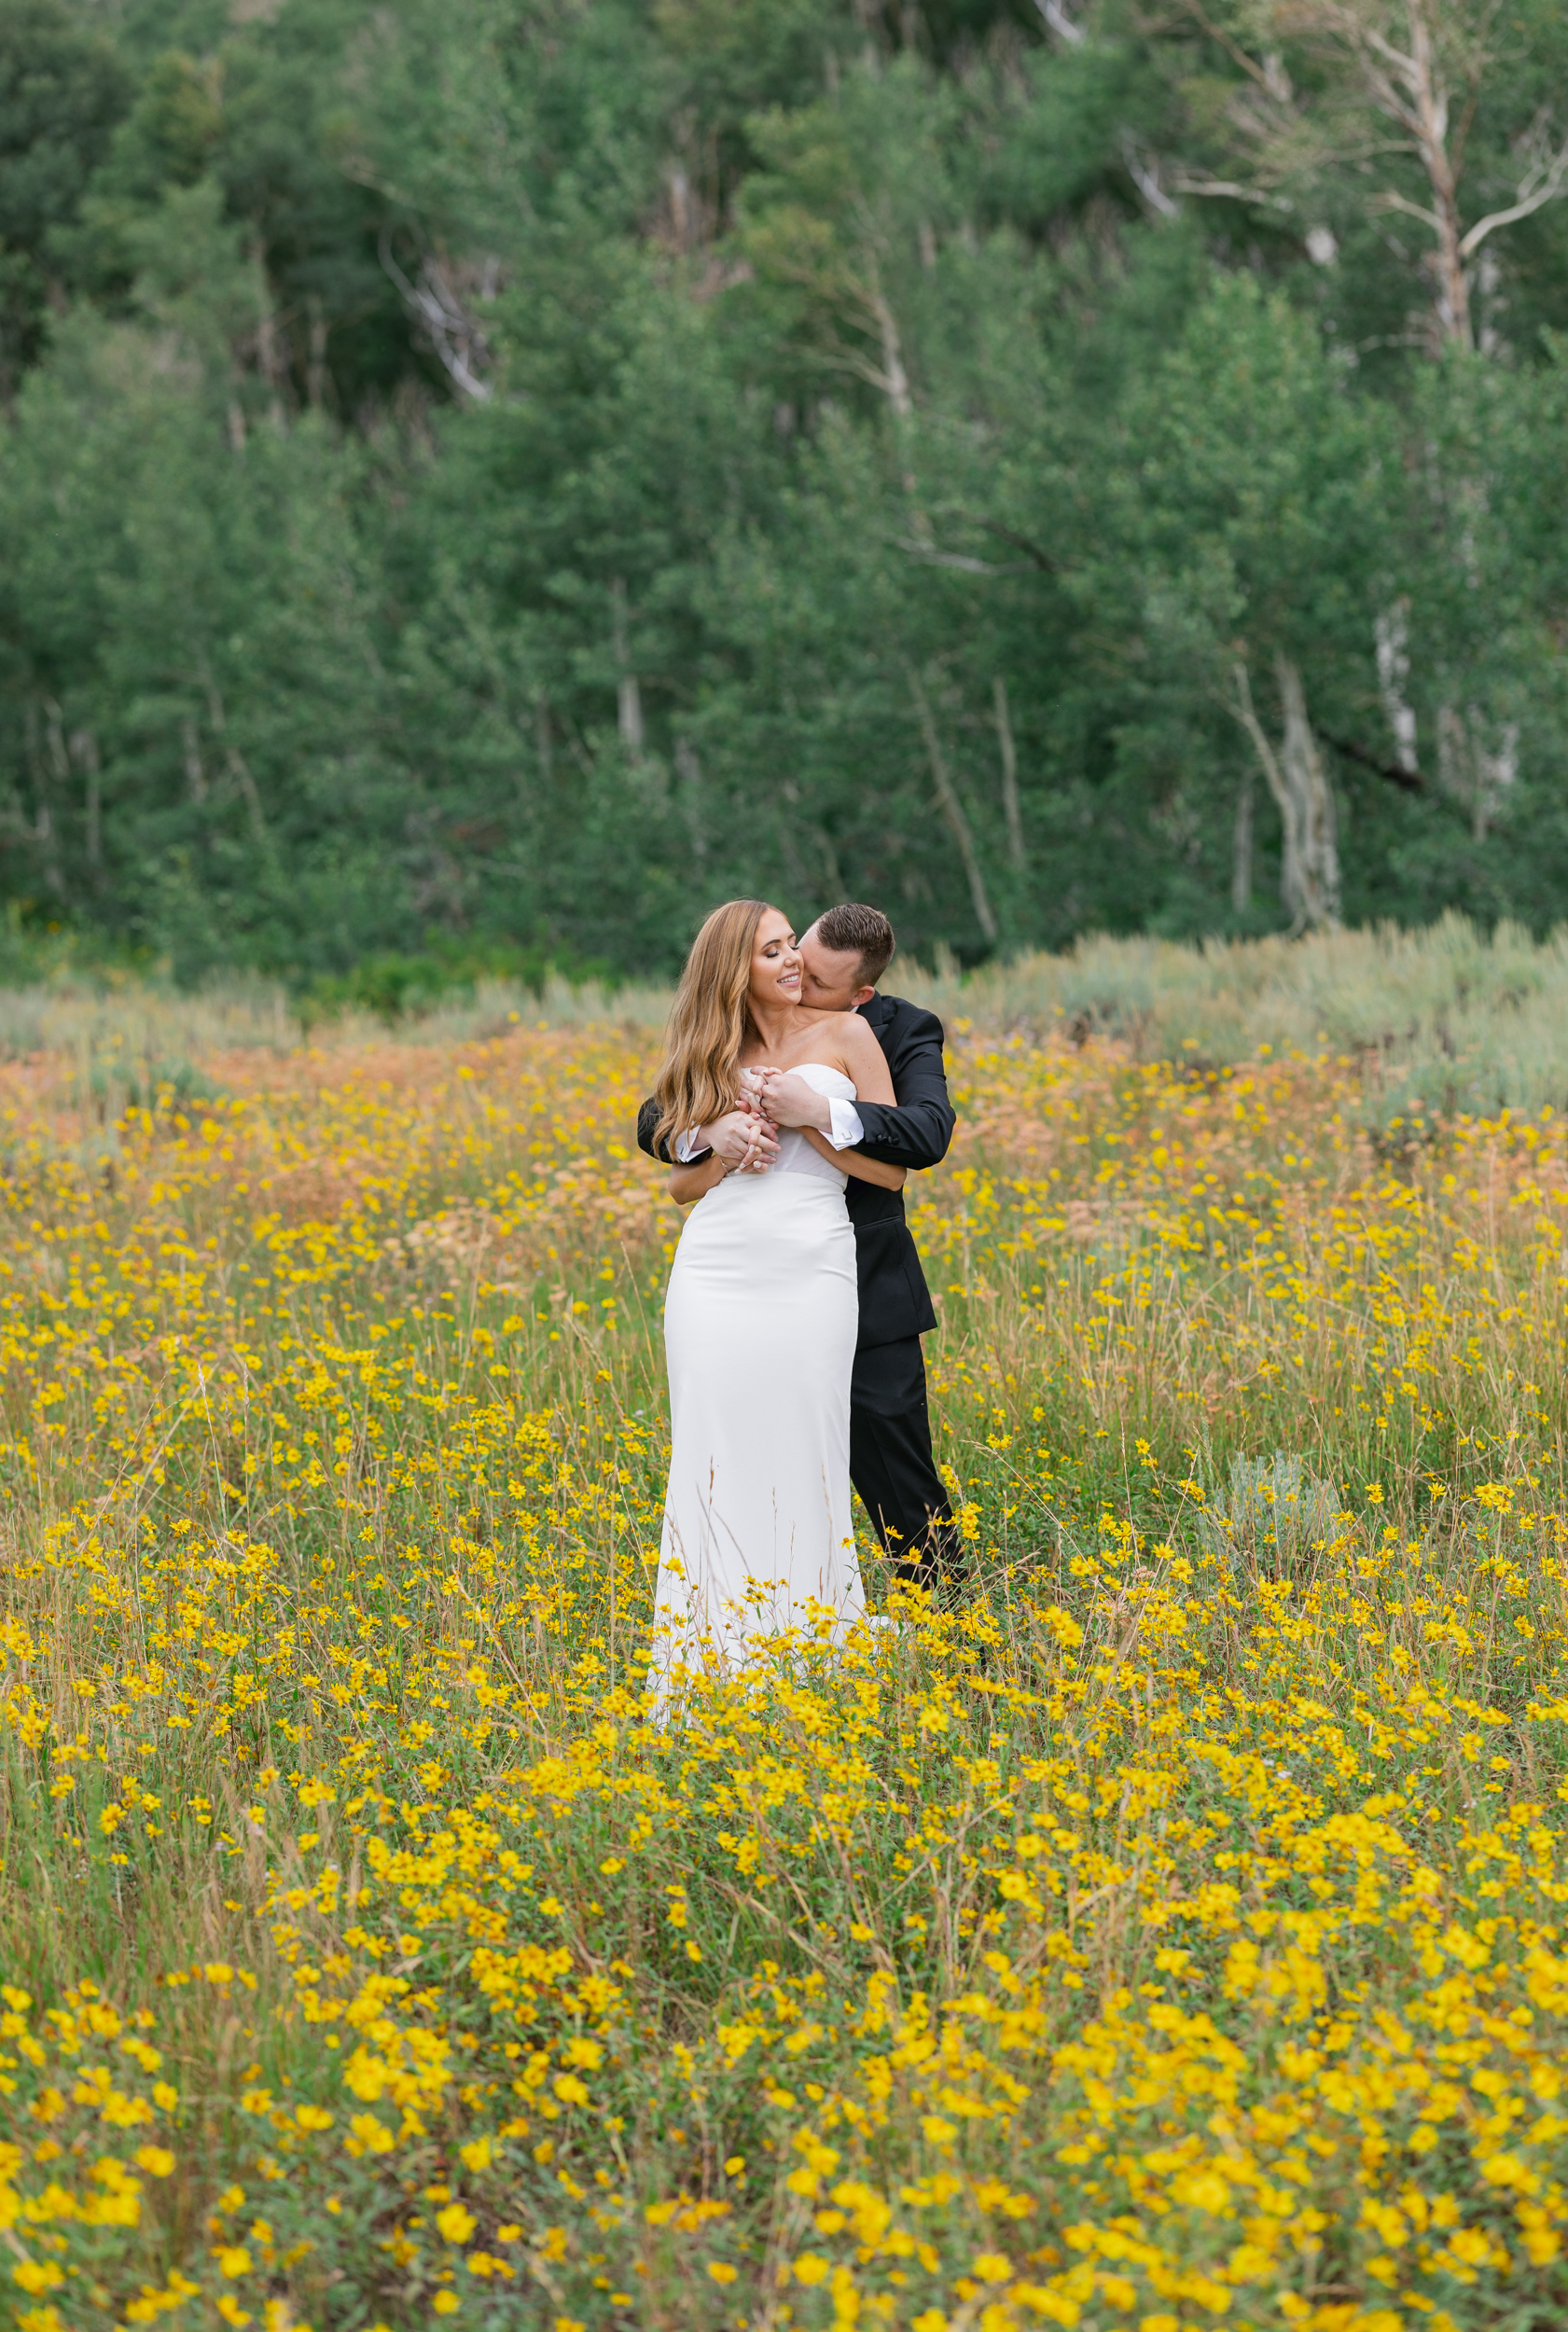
<point>760,1322</point>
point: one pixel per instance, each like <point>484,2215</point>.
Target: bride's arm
<point>866,1066</point>
<point>852,1162</point>
<point>688,1183</point>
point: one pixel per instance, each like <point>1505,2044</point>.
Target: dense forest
<point>503,474</point>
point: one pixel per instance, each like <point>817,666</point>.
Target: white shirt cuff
<point>684,1147</point>
<point>844,1129</point>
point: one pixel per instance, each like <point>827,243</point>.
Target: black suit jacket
<point>895,1300</point>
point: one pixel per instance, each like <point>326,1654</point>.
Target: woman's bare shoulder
<point>857,1039</point>
<point>835,1040</point>
<point>852,1048</point>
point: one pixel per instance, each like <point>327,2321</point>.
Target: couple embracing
<point>792,1102</point>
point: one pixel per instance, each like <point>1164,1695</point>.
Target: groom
<point>843,955</point>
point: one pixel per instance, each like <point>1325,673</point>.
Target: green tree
<point>61,92</point>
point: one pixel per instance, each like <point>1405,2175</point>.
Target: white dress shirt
<point>842,1132</point>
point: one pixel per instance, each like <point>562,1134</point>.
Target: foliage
<point>61,92</point>
<point>1171,1933</point>
<point>507,475</point>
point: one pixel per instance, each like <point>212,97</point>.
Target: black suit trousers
<point>892,1466</point>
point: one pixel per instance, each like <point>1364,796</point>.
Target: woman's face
<point>775,964</point>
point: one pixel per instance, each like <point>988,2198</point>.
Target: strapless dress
<point>760,1321</point>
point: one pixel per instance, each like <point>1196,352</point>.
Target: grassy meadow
<point>1172,1934</point>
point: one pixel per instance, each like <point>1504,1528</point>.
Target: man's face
<point>828,976</point>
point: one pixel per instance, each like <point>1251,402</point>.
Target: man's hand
<point>742,1140</point>
<point>788,1100</point>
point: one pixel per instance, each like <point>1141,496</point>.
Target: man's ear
<point>861,995</point>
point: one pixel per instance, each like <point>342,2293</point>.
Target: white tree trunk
<point>689,769</point>
<point>84,752</point>
<point>1241,848</point>
<point>1011,808</point>
<point>1309,862</point>
<point>629,696</point>
<point>952,808</point>
<point>1316,883</point>
<point>1477,769</point>
<point>544,745</point>
<point>1392,635</point>
<point>893,379</point>
<point>195,775</point>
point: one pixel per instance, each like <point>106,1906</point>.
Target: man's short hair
<point>866,930</point>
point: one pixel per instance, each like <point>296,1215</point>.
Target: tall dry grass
<point>1444,1019</point>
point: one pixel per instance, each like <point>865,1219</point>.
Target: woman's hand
<point>742,1140</point>
<point>738,1143</point>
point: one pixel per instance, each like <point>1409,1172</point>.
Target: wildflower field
<point>1173,1934</point>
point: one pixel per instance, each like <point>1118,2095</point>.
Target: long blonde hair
<point>708,1021</point>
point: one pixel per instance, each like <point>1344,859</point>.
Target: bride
<point>761,1314</point>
